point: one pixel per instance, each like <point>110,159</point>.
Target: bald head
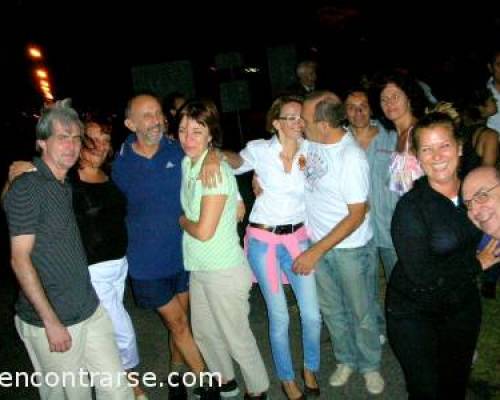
<point>145,118</point>
<point>138,99</point>
<point>481,193</point>
<point>318,107</point>
<point>477,177</point>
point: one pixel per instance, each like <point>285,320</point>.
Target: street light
<point>34,52</point>
<point>41,73</point>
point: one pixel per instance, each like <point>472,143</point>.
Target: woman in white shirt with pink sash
<point>276,236</point>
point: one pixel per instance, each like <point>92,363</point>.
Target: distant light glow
<point>41,73</point>
<point>252,70</point>
<point>44,83</point>
<point>34,52</point>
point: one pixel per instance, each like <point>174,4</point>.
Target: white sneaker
<point>374,382</point>
<point>340,376</point>
<point>382,339</point>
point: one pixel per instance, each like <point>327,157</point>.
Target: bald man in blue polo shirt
<point>147,170</point>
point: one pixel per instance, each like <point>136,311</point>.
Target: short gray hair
<point>331,111</point>
<point>60,111</point>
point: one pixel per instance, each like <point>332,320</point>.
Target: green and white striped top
<point>223,250</point>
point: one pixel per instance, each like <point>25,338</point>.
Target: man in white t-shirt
<point>338,220</point>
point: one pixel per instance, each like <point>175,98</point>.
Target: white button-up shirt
<point>282,199</point>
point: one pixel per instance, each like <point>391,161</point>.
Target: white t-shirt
<point>336,175</point>
<point>282,200</point>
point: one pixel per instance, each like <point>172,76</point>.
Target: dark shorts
<point>155,293</point>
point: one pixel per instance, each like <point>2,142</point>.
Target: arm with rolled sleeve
<point>249,158</point>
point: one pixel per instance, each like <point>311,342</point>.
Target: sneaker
<point>374,382</point>
<point>341,375</point>
<point>229,389</point>
<point>382,339</point>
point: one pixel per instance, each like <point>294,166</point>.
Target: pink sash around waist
<point>291,243</point>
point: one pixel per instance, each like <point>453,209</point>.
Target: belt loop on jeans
<point>278,229</point>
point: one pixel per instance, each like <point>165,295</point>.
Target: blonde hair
<point>447,108</point>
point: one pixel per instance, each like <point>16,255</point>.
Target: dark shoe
<point>229,389</point>
<point>262,396</point>
<point>489,290</point>
<point>311,391</point>
<point>207,393</point>
<point>176,390</point>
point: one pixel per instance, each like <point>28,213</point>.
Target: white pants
<point>219,316</point>
<point>93,349</point>
<point>108,279</point>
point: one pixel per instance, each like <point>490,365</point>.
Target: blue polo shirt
<point>152,189</point>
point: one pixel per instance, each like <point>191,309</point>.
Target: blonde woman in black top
<point>433,306</point>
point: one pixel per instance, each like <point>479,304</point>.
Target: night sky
<point>90,46</point>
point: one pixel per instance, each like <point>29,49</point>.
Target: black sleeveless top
<point>100,213</point>
<point>470,159</point>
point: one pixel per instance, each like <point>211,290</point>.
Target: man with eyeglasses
<point>481,193</point>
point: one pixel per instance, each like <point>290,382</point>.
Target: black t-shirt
<point>100,212</point>
<point>436,245</point>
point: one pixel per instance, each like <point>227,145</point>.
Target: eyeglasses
<point>480,197</point>
<point>291,118</point>
<point>395,98</point>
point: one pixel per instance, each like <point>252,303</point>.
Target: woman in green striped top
<point>220,277</point>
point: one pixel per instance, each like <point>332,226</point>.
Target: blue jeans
<point>304,288</point>
<point>345,290</point>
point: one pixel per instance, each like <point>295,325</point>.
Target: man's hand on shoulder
<point>210,172</point>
